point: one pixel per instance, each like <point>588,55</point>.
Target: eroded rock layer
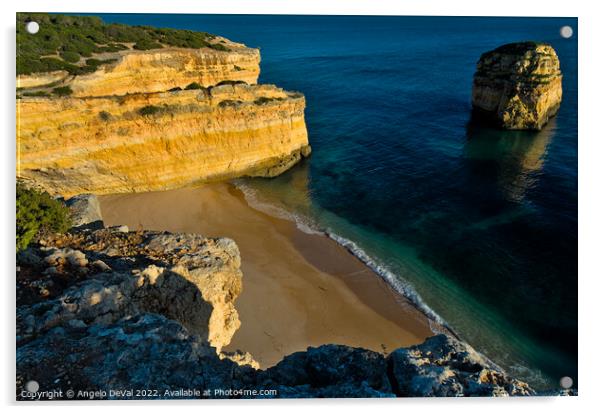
<point>155,141</point>
<point>518,86</point>
<point>157,70</point>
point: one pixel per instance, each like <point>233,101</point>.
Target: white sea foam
<point>302,223</point>
<point>400,286</point>
<point>306,225</point>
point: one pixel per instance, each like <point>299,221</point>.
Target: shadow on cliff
<point>106,296</point>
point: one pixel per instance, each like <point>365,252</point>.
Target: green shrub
<point>147,45</point>
<point>62,91</point>
<point>194,85</point>
<point>71,57</point>
<point>229,103</point>
<point>218,46</point>
<point>37,211</point>
<point>149,110</point>
<point>87,35</point>
<point>36,93</point>
<point>111,47</point>
<point>97,62</point>
<point>262,100</point>
<point>105,116</point>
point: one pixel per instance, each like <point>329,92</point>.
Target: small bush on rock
<point>38,211</point>
<point>62,91</point>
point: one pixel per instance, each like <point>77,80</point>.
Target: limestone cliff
<point>143,120</point>
<point>154,141</point>
<point>518,85</point>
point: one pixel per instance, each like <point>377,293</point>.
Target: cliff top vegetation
<point>64,42</point>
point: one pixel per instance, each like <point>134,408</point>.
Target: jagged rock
<point>29,257</point>
<point>85,211</point>
<point>241,358</point>
<point>66,256</point>
<point>119,229</point>
<point>518,85</point>
<point>159,318</point>
<point>443,366</point>
<point>146,351</point>
<point>330,371</point>
<point>101,265</point>
<point>197,287</point>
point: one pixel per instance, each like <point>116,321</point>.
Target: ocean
<point>477,226</point>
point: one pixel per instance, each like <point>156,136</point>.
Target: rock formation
<point>85,211</point>
<point>518,85</point>
<point>97,278</point>
<point>110,309</point>
<point>132,126</point>
<point>158,70</point>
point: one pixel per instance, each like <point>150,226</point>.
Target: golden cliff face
<point>154,141</point>
<point>156,70</point>
<point>518,86</point>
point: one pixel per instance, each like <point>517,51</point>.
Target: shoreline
<point>305,225</point>
<point>299,289</point>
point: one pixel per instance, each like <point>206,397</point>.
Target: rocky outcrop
<point>439,367</point>
<point>96,278</point>
<point>518,86</point>
<point>443,366</point>
<point>146,142</point>
<point>112,310</point>
<point>85,211</point>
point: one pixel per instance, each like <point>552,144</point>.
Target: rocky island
<point>518,85</point>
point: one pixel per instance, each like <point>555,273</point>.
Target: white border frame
<point>590,205</point>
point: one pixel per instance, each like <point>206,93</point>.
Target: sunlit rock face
<point>157,119</point>
<point>146,142</point>
<point>518,86</point>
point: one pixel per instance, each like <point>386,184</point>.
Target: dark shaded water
<point>480,225</point>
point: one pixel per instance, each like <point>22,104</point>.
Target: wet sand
<point>299,289</point>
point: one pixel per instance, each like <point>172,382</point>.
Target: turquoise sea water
<point>478,226</point>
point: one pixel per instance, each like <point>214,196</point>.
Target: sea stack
<point>518,86</point>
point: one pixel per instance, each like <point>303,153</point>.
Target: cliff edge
<point>518,86</point>
<point>158,109</point>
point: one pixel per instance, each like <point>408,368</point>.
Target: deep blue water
<point>480,223</point>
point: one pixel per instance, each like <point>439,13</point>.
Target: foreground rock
<point>97,278</point>
<point>518,86</point>
<point>116,310</point>
<point>85,211</point>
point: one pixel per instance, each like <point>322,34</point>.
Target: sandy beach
<point>299,289</point>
